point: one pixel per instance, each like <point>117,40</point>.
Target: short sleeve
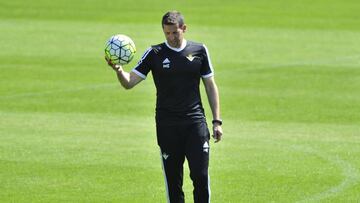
<point>143,66</point>
<point>206,68</point>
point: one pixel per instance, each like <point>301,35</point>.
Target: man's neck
<point>178,49</point>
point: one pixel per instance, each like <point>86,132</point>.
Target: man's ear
<point>184,27</point>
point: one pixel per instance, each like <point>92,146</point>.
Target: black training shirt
<point>176,74</point>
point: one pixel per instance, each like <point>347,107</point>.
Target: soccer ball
<point>120,49</point>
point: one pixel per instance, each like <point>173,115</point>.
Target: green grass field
<point>289,79</point>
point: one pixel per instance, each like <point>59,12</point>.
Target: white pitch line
<point>350,173</point>
<point>49,92</point>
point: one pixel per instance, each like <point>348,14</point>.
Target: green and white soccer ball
<point>120,49</point>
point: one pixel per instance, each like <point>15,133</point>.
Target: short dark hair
<point>173,18</point>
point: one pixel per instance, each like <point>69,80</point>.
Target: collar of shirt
<point>183,45</point>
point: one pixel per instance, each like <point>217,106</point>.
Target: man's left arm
<point>214,102</point>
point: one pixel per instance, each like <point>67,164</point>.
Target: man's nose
<point>171,37</point>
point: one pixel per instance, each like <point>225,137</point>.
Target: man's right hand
<point>115,67</point>
<point>127,80</point>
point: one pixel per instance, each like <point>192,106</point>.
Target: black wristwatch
<point>218,121</point>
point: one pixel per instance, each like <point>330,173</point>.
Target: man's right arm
<point>127,80</point>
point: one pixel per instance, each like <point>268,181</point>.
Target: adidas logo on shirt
<point>166,63</point>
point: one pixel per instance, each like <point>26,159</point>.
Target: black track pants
<point>177,142</point>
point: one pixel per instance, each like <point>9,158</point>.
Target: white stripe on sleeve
<point>210,64</point>
<point>141,60</point>
<point>139,74</point>
<point>208,75</point>
<point>209,60</point>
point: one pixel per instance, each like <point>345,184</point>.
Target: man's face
<point>174,34</point>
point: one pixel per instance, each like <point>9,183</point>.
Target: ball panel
<point>120,49</point>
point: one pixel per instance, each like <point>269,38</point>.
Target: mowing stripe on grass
<point>75,89</point>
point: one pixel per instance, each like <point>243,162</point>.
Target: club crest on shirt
<point>166,63</point>
<point>190,57</point>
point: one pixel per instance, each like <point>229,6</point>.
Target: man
<point>177,66</point>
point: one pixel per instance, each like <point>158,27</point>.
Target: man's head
<point>174,28</point>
